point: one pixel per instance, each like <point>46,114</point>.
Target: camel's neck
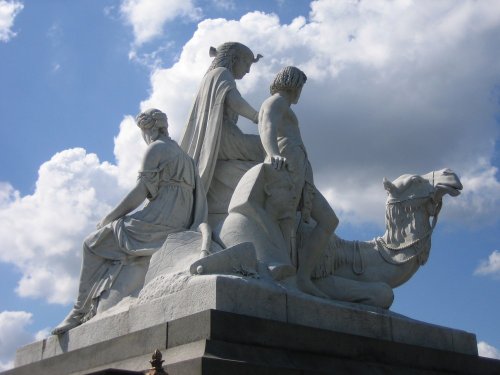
<point>407,223</point>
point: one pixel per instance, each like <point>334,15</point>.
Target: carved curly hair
<point>288,78</point>
<point>152,119</point>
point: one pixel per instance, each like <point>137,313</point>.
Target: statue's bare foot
<point>307,286</point>
<point>73,320</point>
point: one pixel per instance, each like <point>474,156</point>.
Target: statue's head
<point>280,193</point>
<point>235,57</point>
<point>153,123</point>
<point>289,79</point>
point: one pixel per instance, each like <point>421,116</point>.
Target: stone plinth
<point>227,324</point>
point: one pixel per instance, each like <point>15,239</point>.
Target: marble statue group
<point>248,197</point>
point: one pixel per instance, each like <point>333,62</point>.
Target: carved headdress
<point>225,53</point>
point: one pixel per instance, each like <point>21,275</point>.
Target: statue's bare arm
<point>271,116</point>
<point>239,105</point>
<point>139,193</point>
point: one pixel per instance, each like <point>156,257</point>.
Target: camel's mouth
<point>453,190</point>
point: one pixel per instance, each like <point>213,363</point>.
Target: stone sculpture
<point>280,135</point>
<point>393,258</point>
<point>353,271</point>
<point>263,218</point>
<point>274,223</point>
<point>176,202</point>
<point>264,199</point>
<point>221,151</point>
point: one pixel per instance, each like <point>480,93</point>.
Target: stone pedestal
<point>232,325</point>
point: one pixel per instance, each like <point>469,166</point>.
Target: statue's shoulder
<point>275,103</point>
<point>164,149</point>
<point>220,71</point>
<point>220,74</point>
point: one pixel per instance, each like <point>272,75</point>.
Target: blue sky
<point>394,87</point>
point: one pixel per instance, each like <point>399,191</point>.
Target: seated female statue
<point>176,201</point>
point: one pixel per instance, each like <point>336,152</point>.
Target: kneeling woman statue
<point>176,202</point>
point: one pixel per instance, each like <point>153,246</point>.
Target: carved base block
<point>216,342</point>
<point>226,324</point>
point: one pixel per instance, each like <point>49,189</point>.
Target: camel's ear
<point>389,186</point>
<point>212,52</point>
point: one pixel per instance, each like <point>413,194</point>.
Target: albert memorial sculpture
<point>260,192</point>
<point>234,224</point>
<point>262,205</point>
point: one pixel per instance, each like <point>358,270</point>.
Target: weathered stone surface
<point>249,297</point>
<point>217,342</point>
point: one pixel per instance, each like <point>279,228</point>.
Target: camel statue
<point>367,271</point>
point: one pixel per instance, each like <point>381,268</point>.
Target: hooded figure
<point>221,151</point>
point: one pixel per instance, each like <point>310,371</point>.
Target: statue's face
<point>296,95</point>
<point>282,200</point>
<point>241,65</point>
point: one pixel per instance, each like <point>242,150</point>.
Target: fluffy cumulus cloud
<point>394,87</point>
<point>148,17</point>
<point>490,267</point>
<point>41,233</point>
<point>13,334</point>
<point>486,350</point>
<point>8,12</point>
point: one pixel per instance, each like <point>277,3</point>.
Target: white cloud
<point>8,12</point>
<point>13,335</point>
<point>42,233</point>
<point>148,17</point>
<point>129,149</point>
<point>477,205</point>
<point>486,350</point>
<point>490,267</point>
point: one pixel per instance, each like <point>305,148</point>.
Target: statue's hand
<point>104,221</point>
<point>255,119</point>
<point>278,161</point>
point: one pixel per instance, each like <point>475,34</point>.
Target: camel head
<point>431,185</point>
<point>411,200</point>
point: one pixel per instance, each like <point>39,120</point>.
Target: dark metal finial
<point>157,363</point>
